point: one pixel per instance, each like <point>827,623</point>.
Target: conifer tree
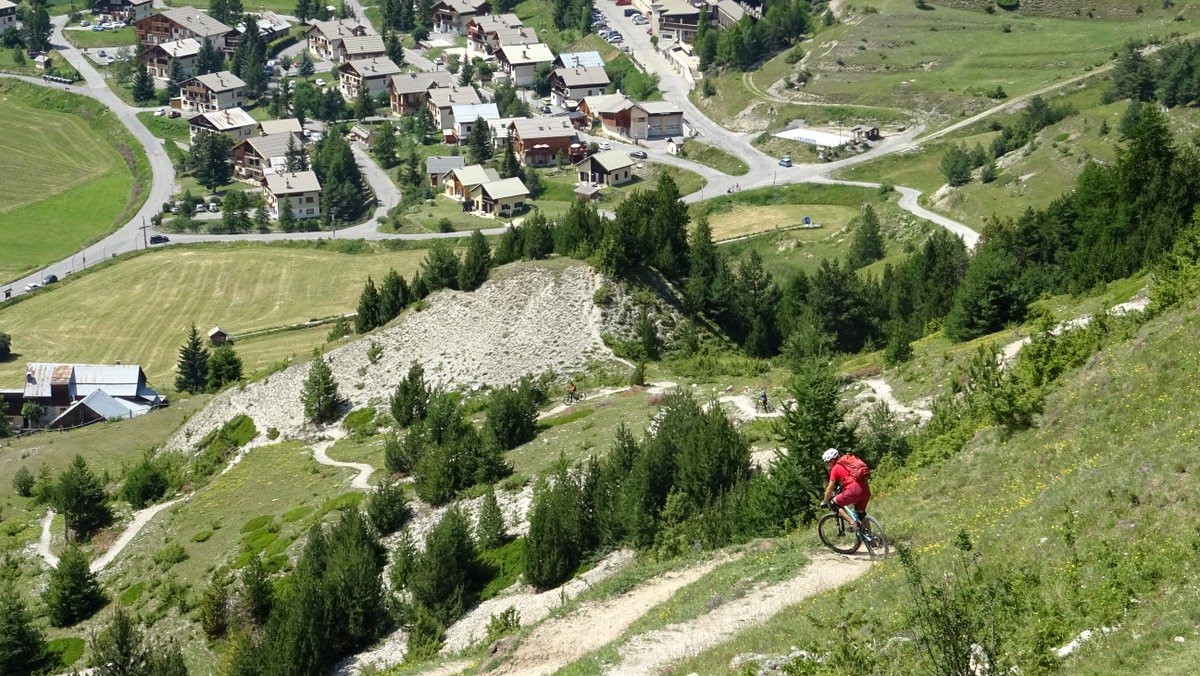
<point>224,367</point>
<point>73,593</point>
<point>176,77</point>
<point>295,157</point>
<point>79,496</point>
<point>489,531</point>
<point>211,159</point>
<point>443,578</point>
<point>384,147</point>
<point>214,606</point>
<point>867,245</point>
<point>479,142</point>
<point>192,366</point>
<point>304,11</point>
<point>393,296</point>
<point>306,68</point>
<point>476,263</point>
<point>257,593</point>
<point>387,508</point>
<point>440,267</point>
<point>287,217</point>
<point>320,395</point>
<point>554,545</point>
<point>121,649</point>
<point>210,59</point>
<point>367,317</point>
<point>22,645</point>
<point>143,84</point>
<point>411,400</point>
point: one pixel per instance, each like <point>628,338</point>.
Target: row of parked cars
<point>599,24</point>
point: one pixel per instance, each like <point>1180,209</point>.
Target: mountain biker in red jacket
<point>855,491</point>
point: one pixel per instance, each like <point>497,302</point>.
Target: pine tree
<point>367,317</point>
<point>287,218</point>
<point>257,593</point>
<point>214,606</point>
<point>867,245</point>
<point>647,335</point>
<point>168,661</point>
<point>120,647</point>
<point>304,11</point>
<point>209,60</point>
<point>219,10</point>
<point>384,148</point>
<point>554,545</point>
<point>79,496</point>
<point>393,296</point>
<point>22,645</point>
<point>73,593</point>
<point>306,68</point>
<point>489,531</point>
<point>411,400</point>
<point>476,264</point>
<point>143,84</point>
<point>352,585</point>
<point>320,395</point>
<point>443,579</point>
<point>988,297</point>
<point>479,142</point>
<point>387,508</point>
<point>177,77</point>
<point>211,159</point>
<point>192,365</point>
<point>224,367</point>
<point>440,268</point>
<point>295,157</point>
<point>509,166</point>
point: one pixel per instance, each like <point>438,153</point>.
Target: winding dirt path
<point>557,643</point>
<point>140,519</point>
<point>43,543</point>
<point>361,481</point>
<point>652,651</point>
<point>883,392</point>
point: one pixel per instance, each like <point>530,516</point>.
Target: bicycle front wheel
<point>836,534</point>
<point>876,540</point>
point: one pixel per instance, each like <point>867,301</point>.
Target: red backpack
<point>856,467</point>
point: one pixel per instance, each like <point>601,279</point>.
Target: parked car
<point>629,11</point>
<point>785,161</point>
<point>32,285</point>
<point>85,23</point>
<point>638,154</point>
<point>640,20</point>
<point>199,208</point>
<point>159,239</point>
<point>173,113</point>
<point>605,145</point>
<point>49,279</point>
<point>214,207</point>
<point>546,110</point>
<point>615,38</point>
<point>98,28</point>
<point>160,112</point>
<point>624,3</point>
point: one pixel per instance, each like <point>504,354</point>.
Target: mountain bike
<point>572,397</point>
<point>845,537</point>
<point>761,406</point>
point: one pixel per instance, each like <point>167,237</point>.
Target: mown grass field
<point>151,300</point>
<point>88,38</point>
<point>713,157</point>
<point>72,173</point>
<point>1106,469</point>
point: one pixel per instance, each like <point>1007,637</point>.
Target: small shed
<point>674,145</point>
<point>43,61</point>
<point>587,193</point>
<point>218,336</point>
<point>862,133</point>
<point>362,134</point>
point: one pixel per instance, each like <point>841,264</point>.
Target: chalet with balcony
<point>130,11</point>
<point>257,156</point>
<point>467,115</point>
<point>158,58</point>
<point>620,115</point>
<point>520,62</point>
<point>442,100</point>
<point>235,123</point>
<point>8,14</point>
<point>451,16</point>
<point>674,20</point>
<point>169,25</point>
<point>437,166</point>
<point>501,198</point>
<point>569,86</point>
<point>373,74</point>
<point>543,141</point>
<point>461,181</point>
<point>299,191</point>
<point>483,33</point>
<point>611,168</point>
<point>214,91</point>
<point>327,39</point>
<point>410,91</point>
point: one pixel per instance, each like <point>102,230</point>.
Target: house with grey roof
<point>451,16</point>
<point>520,62</point>
<point>461,181</point>
<point>579,60</point>
<point>372,73</point>
<point>235,123</point>
<point>409,91</point>
<point>300,191</point>
<point>212,91</point>
<point>257,156</point>
<point>504,197</point>
<point>466,115</point>
<point>159,57</point>
<point>611,167</point>
<point>437,166</point>
<point>171,24</point>
<point>442,100</point>
<point>71,395</point>
<point>327,39</point>
<point>8,14</point>
<point>569,86</point>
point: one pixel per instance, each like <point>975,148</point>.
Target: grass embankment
<point>1089,516</point>
<point>139,312</point>
<point>88,38</point>
<point>72,174</point>
<point>775,214</point>
<point>714,157</point>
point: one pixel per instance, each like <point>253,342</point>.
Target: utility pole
<point>145,244</point>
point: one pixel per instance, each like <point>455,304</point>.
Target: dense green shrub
<point>387,508</point>
<point>145,483</point>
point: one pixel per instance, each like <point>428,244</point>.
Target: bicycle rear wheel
<point>836,534</point>
<point>876,540</point>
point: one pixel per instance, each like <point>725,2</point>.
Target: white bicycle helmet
<point>829,455</point>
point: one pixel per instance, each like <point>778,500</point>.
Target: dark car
<point>638,154</point>
<point>49,279</point>
<point>629,11</point>
<point>159,239</point>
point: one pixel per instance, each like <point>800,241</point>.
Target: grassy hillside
<point>72,173</point>
<point>1087,520</point>
<point>896,56</point>
<point>156,297</point>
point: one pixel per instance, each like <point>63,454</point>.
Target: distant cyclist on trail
<point>852,474</point>
<point>762,397</point>
<point>571,389</point>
